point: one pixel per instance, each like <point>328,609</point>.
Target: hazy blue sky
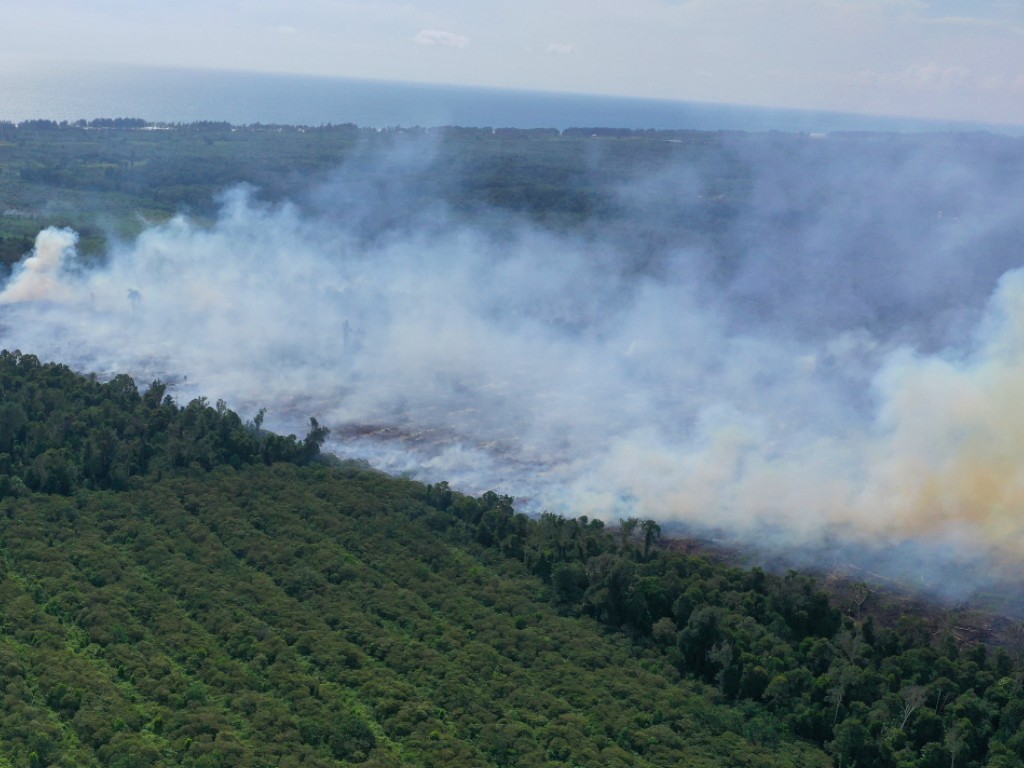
<point>946,58</point>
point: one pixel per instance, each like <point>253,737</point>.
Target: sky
<point>945,59</point>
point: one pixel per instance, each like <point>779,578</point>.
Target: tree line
<point>899,696</point>
<point>61,432</point>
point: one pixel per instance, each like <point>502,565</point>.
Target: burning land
<point>803,342</point>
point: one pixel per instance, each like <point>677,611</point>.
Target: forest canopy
<point>184,588</point>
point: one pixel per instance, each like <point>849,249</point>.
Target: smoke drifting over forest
<point>831,352</point>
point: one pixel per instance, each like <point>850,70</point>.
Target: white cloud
<point>560,49</point>
<point>440,37</point>
<point>287,29</point>
<point>920,77</point>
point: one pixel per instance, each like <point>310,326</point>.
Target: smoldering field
<point>814,345</point>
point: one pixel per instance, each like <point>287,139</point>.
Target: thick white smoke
<point>833,379</point>
<point>39,276</point>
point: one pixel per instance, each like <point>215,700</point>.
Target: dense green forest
<point>181,587</point>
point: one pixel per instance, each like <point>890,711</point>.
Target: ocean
<point>73,92</point>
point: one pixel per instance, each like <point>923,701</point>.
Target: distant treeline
<point>112,175</point>
<point>124,171</point>
<point>137,123</point>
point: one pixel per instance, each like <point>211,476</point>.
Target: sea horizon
<point>166,95</point>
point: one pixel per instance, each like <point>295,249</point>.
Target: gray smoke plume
<point>825,347</point>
